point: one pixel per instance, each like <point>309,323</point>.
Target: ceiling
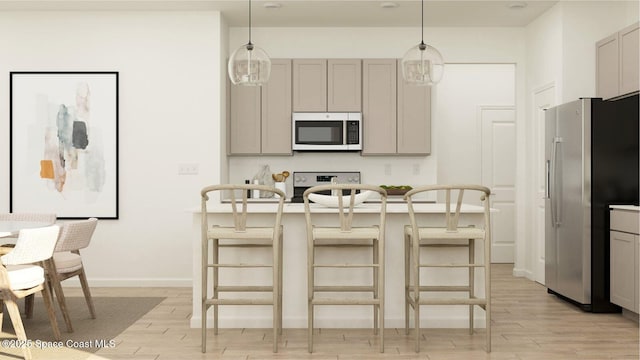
<point>321,13</point>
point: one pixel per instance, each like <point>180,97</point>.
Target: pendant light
<point>422,65</point>
<point>249,64</point>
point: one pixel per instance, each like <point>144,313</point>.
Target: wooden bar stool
<point>450,235</point>
<point>240,237</point>
<point>344,235</point>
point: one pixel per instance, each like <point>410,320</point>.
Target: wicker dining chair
<point>66,263</point>
<point>21,277</point>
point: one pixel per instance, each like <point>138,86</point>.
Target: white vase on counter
<point>281,185</point>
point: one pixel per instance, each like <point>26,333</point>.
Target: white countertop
<point>625,207</point>
<point>392,208</point>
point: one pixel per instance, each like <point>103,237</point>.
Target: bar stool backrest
<point>237,192</point>
<point>451,215</point>
<point>346,218</point>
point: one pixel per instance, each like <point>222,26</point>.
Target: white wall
<point>460,96</point>
<point>170,108</point>
<point>544,69</point>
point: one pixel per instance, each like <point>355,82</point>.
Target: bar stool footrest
<point>345,301</point>
<point>239,302</point>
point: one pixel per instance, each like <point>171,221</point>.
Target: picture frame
<point>64,143</point>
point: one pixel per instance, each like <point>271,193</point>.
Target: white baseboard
<point>523,273</point>
<point>145,282</point>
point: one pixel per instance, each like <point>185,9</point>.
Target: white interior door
<point>543,98</point>
<point>499,174</point>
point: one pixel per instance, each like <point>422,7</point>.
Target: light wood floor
<point>527,324</point>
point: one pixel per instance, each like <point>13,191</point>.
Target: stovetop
<point>302,180</point>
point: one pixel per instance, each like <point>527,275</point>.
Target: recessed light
<point>517,5</point>
<point>388,5</point>
<point>272,5</point>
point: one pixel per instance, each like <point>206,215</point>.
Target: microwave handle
<point>345,127</point>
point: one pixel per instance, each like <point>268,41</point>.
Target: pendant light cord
<point>249,23</point>
<point>422,13</point>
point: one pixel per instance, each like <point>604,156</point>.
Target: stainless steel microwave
<point>331,131</point>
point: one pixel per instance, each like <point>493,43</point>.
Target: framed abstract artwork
<point>64,143</point>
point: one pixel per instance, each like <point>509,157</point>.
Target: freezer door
<point>550,259</point>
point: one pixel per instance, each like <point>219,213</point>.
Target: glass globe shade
<point>422,65</point>
<point>249,65</point>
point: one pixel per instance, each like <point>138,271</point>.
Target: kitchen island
<point>295,270</point>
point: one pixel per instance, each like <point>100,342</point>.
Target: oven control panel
<point>308,179</point>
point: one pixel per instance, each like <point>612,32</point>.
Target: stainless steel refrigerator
<point>591,152</point>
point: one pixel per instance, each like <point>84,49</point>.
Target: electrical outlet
<point>387,169</point>
<point>188,169</point>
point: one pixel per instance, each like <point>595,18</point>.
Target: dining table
<point>10,229</point>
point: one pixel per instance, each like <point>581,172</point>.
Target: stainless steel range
<point>305,179</point>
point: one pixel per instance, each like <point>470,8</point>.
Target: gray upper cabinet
<point>629,64</point>
<point>379,115</point>
<point>276,109</point>
<point>260,117</point>
<point>309,85</point>
<point>414,118</point>
<point>344,85</point>
<point>607,67</point>
<point>244,120</point>
<point>617,63</point>
<point>396,116</point>
<point>327,85</point>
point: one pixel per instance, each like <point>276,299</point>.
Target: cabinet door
<point>623,270</point>
<point>607,67</point>
<point>309,85</point>
<point>379,106</point>
<point>636,304</point>
<point>414,117</point>
<point>344,83</point>
<point>244,120</point>
<point>276,109</point>
<point>629,40</point>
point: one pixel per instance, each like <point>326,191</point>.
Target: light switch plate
<point>188,169</point>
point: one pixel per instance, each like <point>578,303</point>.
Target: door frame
<point>536,245</point>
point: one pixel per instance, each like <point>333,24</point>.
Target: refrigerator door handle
<point>547,191</point>
<point>552,183</point>
<point>556,194</point>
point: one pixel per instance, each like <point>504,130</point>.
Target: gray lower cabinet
<point>260,117</point>
<point>396,116</point>
<point>624,247</point>
<point>617,63</point>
